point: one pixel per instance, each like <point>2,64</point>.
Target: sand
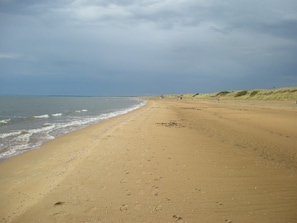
<point>170,161</point>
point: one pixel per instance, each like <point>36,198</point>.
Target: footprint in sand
<point>168,200</point>
<point>219,203</point>
<point>128,193</point>
<point>124,207</point>
<point>177,218</point>
<point>122,181</point>
<point>158,178</point>
<point>155,191</point>
<point>158,208</point>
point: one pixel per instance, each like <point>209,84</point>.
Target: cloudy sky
<point>142,47</point>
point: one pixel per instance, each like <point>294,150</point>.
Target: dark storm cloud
<point>153,46</point>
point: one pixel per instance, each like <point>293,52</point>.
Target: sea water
<point>27,122</point>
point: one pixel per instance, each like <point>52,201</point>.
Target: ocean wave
<point>7,153</point>
<point>42,116</point>
<point>21,133</point>
<point>10,134</point>
<point>52,126</point>
<point>57,114</point>
<point>121,112</point>
<point>16,142</point>
<point>22,142</point>
<point>5,121</point>
<point>79,111</point>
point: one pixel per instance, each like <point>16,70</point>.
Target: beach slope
<point>170,161</point>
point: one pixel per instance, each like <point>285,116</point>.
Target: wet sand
<point>170,161</point>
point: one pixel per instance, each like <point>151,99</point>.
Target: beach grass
<point>289,93</point>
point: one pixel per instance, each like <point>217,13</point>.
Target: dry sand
<point>170,161</point>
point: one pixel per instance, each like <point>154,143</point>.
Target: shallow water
<point>28,122</point>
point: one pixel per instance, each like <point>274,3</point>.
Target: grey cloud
<point>192,43</point>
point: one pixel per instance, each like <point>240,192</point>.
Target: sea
<point>27,122</point>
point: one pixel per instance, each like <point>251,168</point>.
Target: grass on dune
<point>255,94</point>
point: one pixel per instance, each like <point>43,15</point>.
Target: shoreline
<point>168,161</point>
<point>35,135</point>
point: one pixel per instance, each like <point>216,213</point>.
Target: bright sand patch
<point>170,161</point>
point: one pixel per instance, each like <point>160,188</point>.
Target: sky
<point>146,47</point>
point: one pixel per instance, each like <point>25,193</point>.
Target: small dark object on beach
<point>59,203</point>
<point>170,124</point>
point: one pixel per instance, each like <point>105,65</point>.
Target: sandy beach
<point>169,161</point>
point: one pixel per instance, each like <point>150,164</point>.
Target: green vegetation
<point>241,93</point>
<point>253,93</point>
<point>222,93</point>
<point>256,94</point>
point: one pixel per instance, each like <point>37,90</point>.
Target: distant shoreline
<point>286,93</point>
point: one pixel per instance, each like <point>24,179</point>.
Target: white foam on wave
<point>83,110</point>
<point>5,121</point>
<point>8,153</point>
<point>42,116</point>
<point>22,140</point>
<point>5,135</point>
<point>57,114</point>
<point>121,112</point>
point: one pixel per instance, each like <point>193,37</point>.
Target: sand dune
<point>170,161</point>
